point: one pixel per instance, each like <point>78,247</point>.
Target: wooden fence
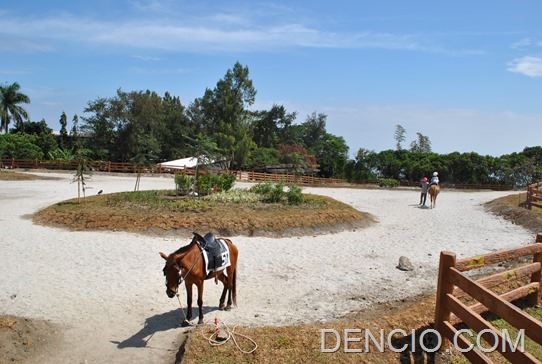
<point>453,286</point>
<point>534,195</point>
<point>117,167</point>
<point>287,178</point>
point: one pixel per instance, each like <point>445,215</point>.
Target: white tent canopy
<point>183,163</point>
<point>189,162</point>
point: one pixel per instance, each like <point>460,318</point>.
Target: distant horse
<point>188,264</point>
<point>433,192</point>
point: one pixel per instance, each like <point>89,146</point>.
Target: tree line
<point>144,127</point>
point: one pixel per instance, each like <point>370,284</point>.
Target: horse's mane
<point>183,249</point>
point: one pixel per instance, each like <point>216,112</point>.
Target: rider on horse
<point>434,179</point>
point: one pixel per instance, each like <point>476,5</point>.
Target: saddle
<point>215,252</point>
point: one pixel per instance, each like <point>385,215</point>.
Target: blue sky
<point>466,74</point>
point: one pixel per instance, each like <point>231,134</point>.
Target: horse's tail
<point>234,286</point>
<point>234,255</point>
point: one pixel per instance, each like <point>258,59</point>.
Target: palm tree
<point>10,98</point>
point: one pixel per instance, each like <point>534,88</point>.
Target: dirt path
<point>102,293</point>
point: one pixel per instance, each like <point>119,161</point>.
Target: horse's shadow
<point>161,322</point>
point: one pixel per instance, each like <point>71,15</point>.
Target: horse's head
<point>172,271</point>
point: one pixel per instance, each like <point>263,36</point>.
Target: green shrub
<point>226,181</point>
<point>295,195</point>
<point>388,182</point>
<point>262,188</point>
<point>206,183</point>
<point>276,194</point>
<point>20,146</point>
<point>183,184</point>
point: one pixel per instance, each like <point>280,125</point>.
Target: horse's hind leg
<point>224,279</point>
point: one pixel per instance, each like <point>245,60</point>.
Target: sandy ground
<point>106,293</point>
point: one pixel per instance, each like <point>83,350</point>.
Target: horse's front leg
<point>188,304</point>
<point>200,302</point>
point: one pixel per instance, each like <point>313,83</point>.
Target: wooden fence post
<point>444,287</point>
<point>535,298</point>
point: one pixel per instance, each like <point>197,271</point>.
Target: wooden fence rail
<point>453,286</point>
<point>118,167</point>
<point>534,195</point>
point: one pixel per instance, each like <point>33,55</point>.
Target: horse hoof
<point>200,322</point>
<point>227,308</point>
<point>185,323</point>
<point>221,307</point>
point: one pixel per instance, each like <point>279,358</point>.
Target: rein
<point>181,278</point>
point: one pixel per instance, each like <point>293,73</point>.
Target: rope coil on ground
<point>231,335</point>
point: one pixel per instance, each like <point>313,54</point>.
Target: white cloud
<point>523,43</point>
<point>528,65</point>
<point>214,32</point>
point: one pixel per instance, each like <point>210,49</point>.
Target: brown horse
<point>433,192</point>
<point>188,264</point>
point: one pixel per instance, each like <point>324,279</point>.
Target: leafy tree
<point>100,130</point>
<point>122,125</point>
<point>362,168</point>
<point>516,169</point>
<point>422,144</point>
<point>45,137</point>
<point>20,146</point>
<point>297,158</point>
<point>535,154</point>
<point>206,152</point>
<point>138,122</point>
<point>389,164</point>
<point>399,136</point>
<point>144,156</point>
<point>226,114</point>
<point>10,108</point>
<point>74,133</point>
<point>262,157</point>
<point>174,129</point>
<point>273,127</point>
<point>314,130</point>
<point>63,140</point>
<point>82,174</point>
<point>332,155</point>
<point>470,168</point>
<point>416,166</point>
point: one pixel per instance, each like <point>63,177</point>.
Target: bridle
<point>181,278</point>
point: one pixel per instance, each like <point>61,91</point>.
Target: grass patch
<point>7,175</point>
<point>530,346</point>
<point>236,212</point>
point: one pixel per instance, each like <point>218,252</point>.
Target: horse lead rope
<point>210,339</point>
<point>231,335</point>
